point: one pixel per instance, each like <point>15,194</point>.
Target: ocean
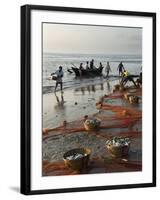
<point>52,61</point>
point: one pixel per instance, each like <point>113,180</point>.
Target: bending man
<point>127,77</point>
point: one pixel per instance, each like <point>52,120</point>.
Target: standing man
<point>107,69</point>
<point>92,64</point>
<point>120,68</point>
<point>87,67</point>
<point>59,73</point>
<point>100,66</point>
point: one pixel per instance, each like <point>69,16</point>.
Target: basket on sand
<point>92,124</point>
<point>118,146</point>
<point>77,159</point>
<point>133,99</point>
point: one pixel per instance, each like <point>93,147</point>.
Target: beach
<point>71,107</point>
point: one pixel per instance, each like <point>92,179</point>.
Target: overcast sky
<point>60,38</point>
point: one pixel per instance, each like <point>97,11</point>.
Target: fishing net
<point>118,118</point>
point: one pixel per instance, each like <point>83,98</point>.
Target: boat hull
<point>87,73</point>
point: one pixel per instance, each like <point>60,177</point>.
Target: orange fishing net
<point>113,117</point>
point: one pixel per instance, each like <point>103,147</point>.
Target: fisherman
<point>100,66</point>
<point>92,64</point>
<point>140,77</point>
<point>87,66</point>
<point>81,68</point>
<point>120,68</point>
<point>59,74</point>
<point>139,80</point>
<point>107,69</point>
<point>127,77</point>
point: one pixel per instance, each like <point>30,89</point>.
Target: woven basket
<point>118,151</point>
<point>80,163</point>
<point>134,99</point>
<point>54,78</point>
<point>89,125</point>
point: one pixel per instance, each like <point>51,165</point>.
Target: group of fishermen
<point>125,75</point>
<point>90,66</point>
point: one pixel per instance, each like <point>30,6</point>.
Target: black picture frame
<point>26,97</point>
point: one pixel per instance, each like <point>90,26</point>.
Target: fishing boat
<point>87,72</point>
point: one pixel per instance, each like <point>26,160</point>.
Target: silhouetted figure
<point>81,66</point>
<point>120,68</point>
<point>100,66</point>
<point>80,69</point>
<point>139,80</point>
<point>92,64</point>
<point>107,69</point>
<point>87,65</point>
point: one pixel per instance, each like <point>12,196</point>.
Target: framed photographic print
<point>88,99</point>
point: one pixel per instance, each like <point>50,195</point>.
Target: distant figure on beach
<point>59,73</point>
<point>107,69</point>
<point>87,66</point>
<point>127,77</point>
<point>92,64</point>
<point>120,68</point>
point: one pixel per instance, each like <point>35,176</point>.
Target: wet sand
<point>73,103</point>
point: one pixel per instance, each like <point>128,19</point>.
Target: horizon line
<point>92,53</point>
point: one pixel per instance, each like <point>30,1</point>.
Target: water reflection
<point>102,88</point>
<point>108,86</point>
<point>93,88</point>
<point>88,89</point>
<point>60,102</point>
<point>83,90</point>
